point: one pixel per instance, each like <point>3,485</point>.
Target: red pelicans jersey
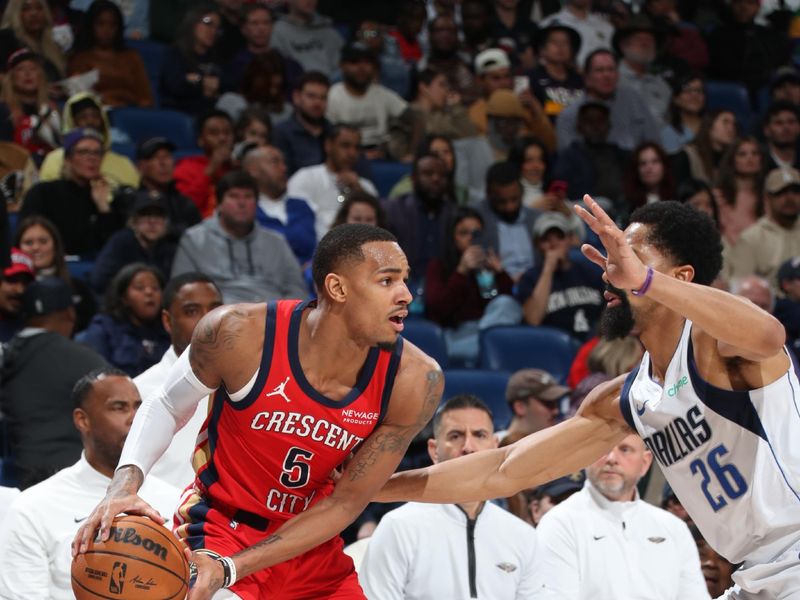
<point>271,453</point>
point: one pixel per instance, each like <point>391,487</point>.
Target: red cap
<point>21,264</point>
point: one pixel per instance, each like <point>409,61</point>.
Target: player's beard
<point>616,322</point>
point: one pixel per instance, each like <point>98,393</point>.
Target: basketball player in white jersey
<point>716,398</point>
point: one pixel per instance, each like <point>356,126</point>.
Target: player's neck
<point>660,338</point>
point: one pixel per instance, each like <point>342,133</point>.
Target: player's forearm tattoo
<point>128,479</point>
<point>396,442</point>
<point>267,541</point>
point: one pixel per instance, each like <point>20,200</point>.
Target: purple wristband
<point>646,285</point>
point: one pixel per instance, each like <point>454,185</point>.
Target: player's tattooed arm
<point>214,337</point>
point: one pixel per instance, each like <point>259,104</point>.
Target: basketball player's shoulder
<point>417,389</point>
<point>228,319</point>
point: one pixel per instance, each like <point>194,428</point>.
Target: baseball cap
<point>551,220</point>
<point>534,382</point>
<point>21,264</point>
<point>562,485</point>
<point>780,179</point>
<point>491,60</point>
<point>148,202</point>
<point>152,145</point>
<point>19,56</point>
<point>784,75</point>
<point>790,269</point>
<point>45,296</point>
<point>81,133</point>
<point>356,52</point>
<point>504,103</point>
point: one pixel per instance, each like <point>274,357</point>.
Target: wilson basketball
<point>141,560</point>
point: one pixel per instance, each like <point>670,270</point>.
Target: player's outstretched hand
<point>115,502</point>
<point>623,268</point>
<point>207,576</point>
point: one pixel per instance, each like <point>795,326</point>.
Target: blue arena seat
<point>152,54</point>
<point>143,123</point>
<point>386,173</point>
<point>489,386</point>
<point>428,337</point>
<point>521,346</point>
<point>731,96</point>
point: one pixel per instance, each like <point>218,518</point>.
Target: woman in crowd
<point>123,80</point>
<point>739,188</point>
<point>39,238</point>
<point>27,115</point>
<point>699,195</point>
<point>264,83</point>
<point>436,110</point>
<point>440,146</point>
<point>128,333</point>
<point>253,126</point>
<point>700,158</point>
<point>648,177</point>
<point>191,75</point>
<point>461,284</point>
<point>29,24</point>
<point>685,113</point>
<point>530,155</point>
<point>360,207</point>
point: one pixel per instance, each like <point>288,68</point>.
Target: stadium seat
<point>125,148</point>
<point>152,54</point>
<point>386,173</point>
<point>143,123</point>
<point>733,97</point>
<point>522,346</point>
<point>428,337</point>
<point>489,386</point>
<point>78,268</point>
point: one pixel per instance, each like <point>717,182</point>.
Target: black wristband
<point>226,573</point>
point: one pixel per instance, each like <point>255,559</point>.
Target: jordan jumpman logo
<point>278,391</point>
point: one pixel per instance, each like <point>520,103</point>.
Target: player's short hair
<point>685,235</point>
<point>174,285</point>
<point>83,387</point>
<point>343,244</point>
<point>457,402</point>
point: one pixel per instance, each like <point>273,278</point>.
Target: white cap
<point>491,60</point>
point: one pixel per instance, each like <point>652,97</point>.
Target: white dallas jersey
<point>733,458</point>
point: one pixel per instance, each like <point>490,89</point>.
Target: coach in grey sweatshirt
<point>247,262</point>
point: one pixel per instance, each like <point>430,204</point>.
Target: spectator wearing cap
<point>785,86</point>
<point>554,81</point>
<point>145,240</point>
<point>632,121</point>
<point>775,237</point>
<point>595,31</point>
<point>360,101</point>
<point>40,366</point>
<point>603,541</point>
<point>308,37</point>
<point>469,550</point>
<point>741,50</point>
<point>507,224</point>
<point>545,497</point>
<point>85,110</point>
<point>781,133</point>
<point>287,215</point>
<point>16,277</point>
<point>637,44</point>
<point>79,204</point>
<point>196,176</point>
<point>28,117</point>
<point>562,290</point>
<point>30,25</point>
<point>154,159</point>
<point>301,138</point>
<point>787,307</point>
<point>592,164</point>
<point>505,121</point>
<point>493,69</point>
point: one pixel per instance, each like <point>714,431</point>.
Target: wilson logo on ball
<point>129,536</point>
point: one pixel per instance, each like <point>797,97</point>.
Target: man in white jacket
<point>606,543</point>
<point>436,551</point>
<point>187,299</point>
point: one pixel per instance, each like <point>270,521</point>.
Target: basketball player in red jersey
<point>298,388</point>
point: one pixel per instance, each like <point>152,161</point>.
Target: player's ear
<point>684,273</point>
<point>81,420</point>
<point>166,321</point>
<point>335,287</point>
<point>432,450</point>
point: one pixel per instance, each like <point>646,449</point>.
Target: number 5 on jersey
<point>296,468</point>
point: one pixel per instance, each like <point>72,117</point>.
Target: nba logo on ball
<point>117,582</point>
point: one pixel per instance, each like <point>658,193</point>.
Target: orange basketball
<point>141,560</point>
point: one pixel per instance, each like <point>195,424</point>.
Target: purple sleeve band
<point>646,285</point>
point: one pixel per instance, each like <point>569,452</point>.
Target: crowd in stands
<point>160,158</point>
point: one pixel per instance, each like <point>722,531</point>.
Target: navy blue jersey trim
<point>196,535</point>
<point>734,405</point>
<point>364,376</point>
<point>209,475</point>
<point>270,321</point>
<point>625,397</point>
<point>391,373</point>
